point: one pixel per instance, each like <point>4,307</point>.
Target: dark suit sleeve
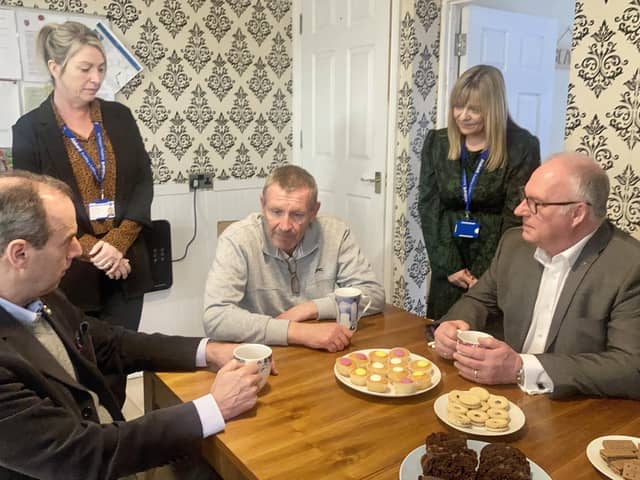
<point>44,440</point>
<point>117,350</point>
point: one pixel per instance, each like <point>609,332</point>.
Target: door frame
<point>296,122</point>
<point>450,17</point>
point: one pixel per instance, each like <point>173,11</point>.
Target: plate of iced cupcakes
<point>387,372</point>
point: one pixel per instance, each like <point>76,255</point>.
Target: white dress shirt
<point>554,276</point>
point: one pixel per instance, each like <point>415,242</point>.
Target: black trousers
<point>125,312</point>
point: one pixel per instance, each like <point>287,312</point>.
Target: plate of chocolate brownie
<point>613,455</point>
<point>452,456</point>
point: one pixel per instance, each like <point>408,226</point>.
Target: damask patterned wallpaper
<point>416,114</point>
<point>215,94</point>
<point>603,111</point>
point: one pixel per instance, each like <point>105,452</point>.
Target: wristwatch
<point>520,377</point>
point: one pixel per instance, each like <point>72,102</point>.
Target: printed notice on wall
<point>10,101</point>
<point>121,65</point>
<point>10,65</point>
<point>29,24</point>
<point>33,94</point>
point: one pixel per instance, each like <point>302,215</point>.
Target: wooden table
<point>308,425</point>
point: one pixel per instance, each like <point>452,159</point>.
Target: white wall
<point>563,11</point>
<point>178,310</point>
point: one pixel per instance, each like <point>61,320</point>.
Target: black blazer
<point>48,422</point>
<point>38,146</point>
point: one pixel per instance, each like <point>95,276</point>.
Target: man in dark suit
<point>58,419</point>
<point>567,286</point>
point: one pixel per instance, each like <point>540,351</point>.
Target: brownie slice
<point>499,461</point>
<point>448,457</point>
<point>459,464</point>
<point>447,439</point>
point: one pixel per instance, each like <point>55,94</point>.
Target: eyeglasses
<point>533,205</point>
<point>293,271</point>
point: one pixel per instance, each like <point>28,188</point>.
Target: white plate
<point>410,468</point>
<point>516,423</point>
<point>435,377</point>
<point>593,454</point>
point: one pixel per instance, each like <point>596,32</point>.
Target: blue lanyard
<point>99,177</point>
<point>467,191</point>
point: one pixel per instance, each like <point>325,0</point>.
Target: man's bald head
<point>589,182</point>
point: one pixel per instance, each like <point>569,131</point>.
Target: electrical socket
<point>200,181</point>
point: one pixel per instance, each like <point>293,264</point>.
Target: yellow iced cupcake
<point>422,379</point>
<point>378,356</point>
<point>359,377</point>
<point>421,365</point>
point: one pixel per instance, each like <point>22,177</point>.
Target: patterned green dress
<point>441,204</point>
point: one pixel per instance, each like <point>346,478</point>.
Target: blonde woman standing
<point>95,147</point>
<point>470,177</point>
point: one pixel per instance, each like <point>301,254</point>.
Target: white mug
<point>348,306</point>
<point>258,353</point>
<point>472,337</point>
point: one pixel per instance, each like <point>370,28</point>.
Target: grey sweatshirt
<point>249,283</point>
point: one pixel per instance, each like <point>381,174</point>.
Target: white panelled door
<point>523,47</point>
<point>344,81</point>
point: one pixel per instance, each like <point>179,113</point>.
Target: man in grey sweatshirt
<point>277,269</point>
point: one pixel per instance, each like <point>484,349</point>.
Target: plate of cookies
<point>479,412</point>
<point>451,455</point>
<point>616,456</point>
<point>387,372</point>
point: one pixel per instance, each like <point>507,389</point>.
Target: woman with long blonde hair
<point>469,184</point>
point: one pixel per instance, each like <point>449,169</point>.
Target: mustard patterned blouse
<point>123,235</point>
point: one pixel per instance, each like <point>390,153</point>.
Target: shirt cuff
<point>326,307</point>
<point>201,353</point>
<point>536,380</point>
<point>210,415</point>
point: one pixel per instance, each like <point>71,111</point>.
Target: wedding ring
<point>475,374</point>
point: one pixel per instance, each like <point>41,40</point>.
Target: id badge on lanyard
<point>467,227</point>
<point>103,208</point>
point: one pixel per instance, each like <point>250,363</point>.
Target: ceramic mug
<point>472,337</point>
<point>258,353</point>
<point>348,310</point>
